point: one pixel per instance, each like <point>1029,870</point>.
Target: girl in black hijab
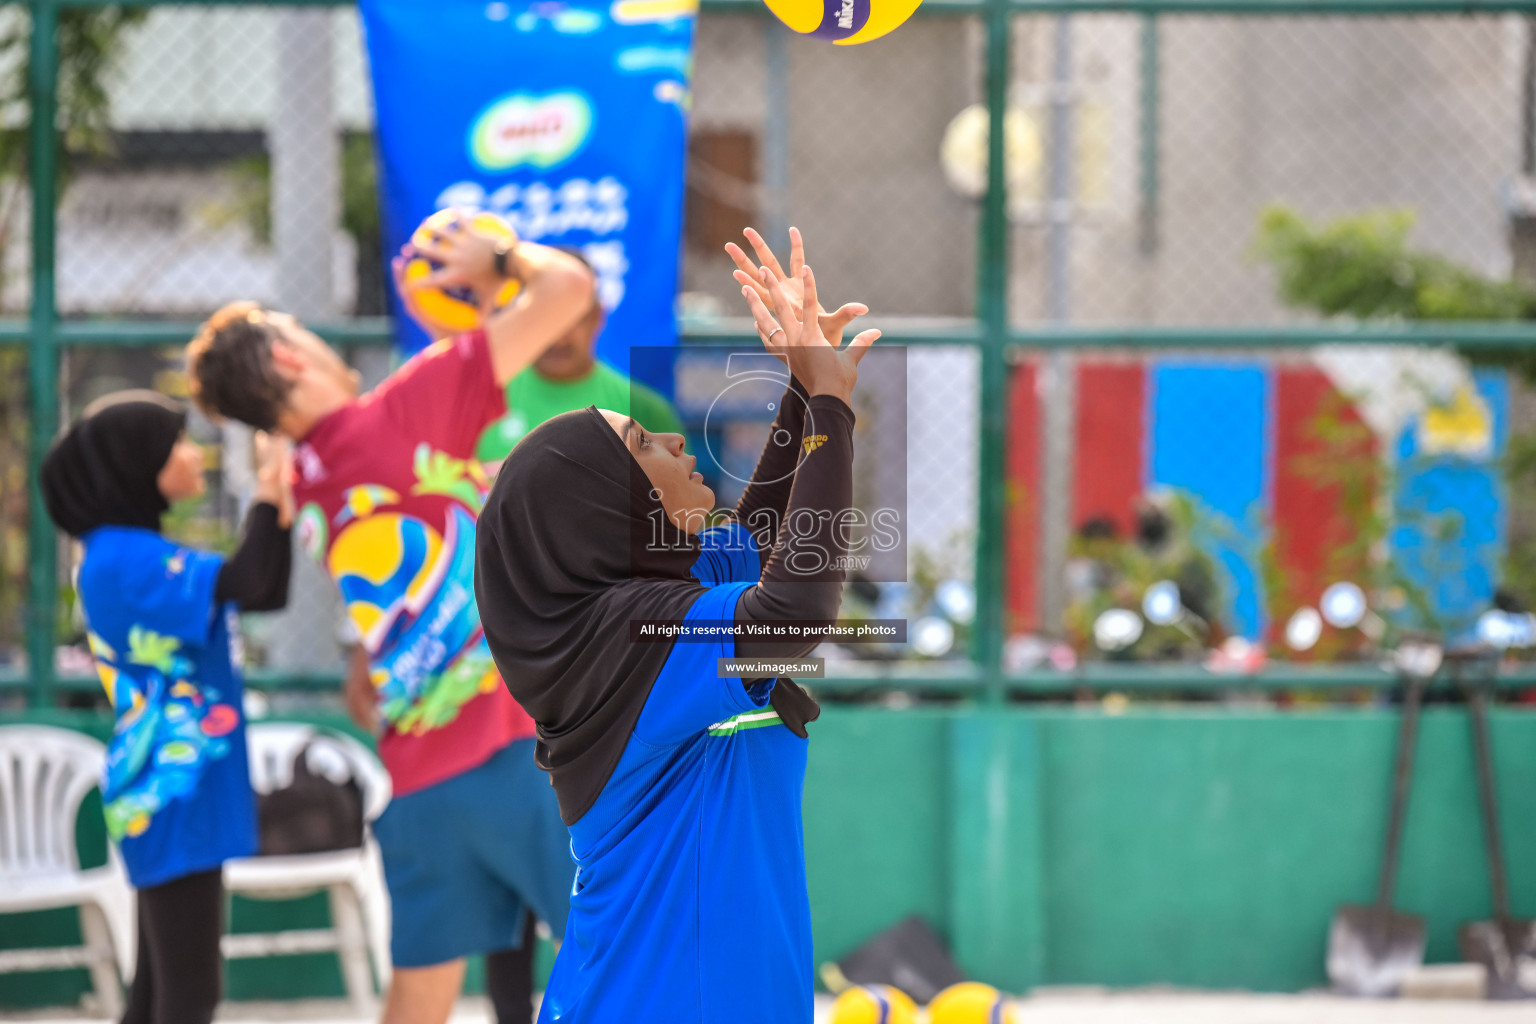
<point>681,788</point>
<point>160,619</point>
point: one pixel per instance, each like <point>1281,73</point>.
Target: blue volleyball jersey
<point>690,901</point>
<point>176,788</point>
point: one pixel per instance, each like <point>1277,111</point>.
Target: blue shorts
<point>464,858</point>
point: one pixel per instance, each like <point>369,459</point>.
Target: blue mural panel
<point>1449,513</point>
<point>1209,437</point>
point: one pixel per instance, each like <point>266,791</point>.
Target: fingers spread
<point>861,344</point>
<point>444,278</point>
<point>738,257</point>
<point>808,280</point>
<point>796,252</point>
<point>749,279</point>
<point>764,254</point>
<point>844,315</point>
<point>783,305</point>
<point>436,253</point>
<point>767,328</point>
<point>833,324</point>
<point>760,314</point>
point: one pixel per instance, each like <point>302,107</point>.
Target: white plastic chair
<point>353,879</point>
<point>45,773</point>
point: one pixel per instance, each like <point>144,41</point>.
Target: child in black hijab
<point>681,789</point>
<point>160,619</point>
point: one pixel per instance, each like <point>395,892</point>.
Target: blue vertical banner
<point>568,119</point>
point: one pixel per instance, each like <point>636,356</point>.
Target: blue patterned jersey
<point>176,788</point>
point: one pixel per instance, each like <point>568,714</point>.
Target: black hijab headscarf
<point>566,556</point>
<point>104,470</point>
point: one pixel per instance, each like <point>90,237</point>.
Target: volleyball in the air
<point>874,1004</point>
<point>971,1002</point>
<point>457,309</point>
<point>844,22</point>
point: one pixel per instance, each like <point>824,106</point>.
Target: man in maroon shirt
<point>388,489</point>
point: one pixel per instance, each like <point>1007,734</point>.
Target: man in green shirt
<point>570,376</point>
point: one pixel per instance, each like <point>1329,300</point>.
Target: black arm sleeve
<point>256,576</point>
<point>803,577</point>
<point>762,504</point>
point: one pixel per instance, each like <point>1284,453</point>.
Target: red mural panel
<point>1111,443</point>
<point>1023,530</point>
<point>1327,475</point>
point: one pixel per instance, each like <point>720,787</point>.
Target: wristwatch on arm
<point>505,261</point>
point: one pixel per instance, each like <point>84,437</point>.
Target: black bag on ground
<point>313,813</point>
<point>908,955</point>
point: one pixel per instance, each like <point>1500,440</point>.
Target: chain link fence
<point>1170,172</point>
<point>1265,173</point>
<point>1185,130</point>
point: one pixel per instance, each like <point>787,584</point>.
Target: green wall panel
<point>1212,850</point>
<point>876,841</point>
<point>998,850</point>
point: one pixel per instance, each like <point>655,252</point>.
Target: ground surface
<point>1076,1007</point>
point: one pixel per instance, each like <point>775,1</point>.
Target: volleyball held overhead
<point>457,309</point>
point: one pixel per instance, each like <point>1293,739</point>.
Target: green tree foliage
<point>1362,266</point>
<point>90,47</point>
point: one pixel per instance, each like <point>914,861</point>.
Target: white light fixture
<point>1116,629</point>
<point>1494,628</point>
<point>963,153</point>
<point>1304,629</point>
<point>1161,604</point>
<point>932,637</point>
<point>1344,605</point>
<point>1418,658</point>
<point>958,601</point>
<point>1504,630</point>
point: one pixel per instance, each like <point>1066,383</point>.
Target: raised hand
<point>274,474</point>
<point>832,324</point>
<point>823,367</point>
<point>465,255</point>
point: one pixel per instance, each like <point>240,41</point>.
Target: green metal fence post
<point>992,311</point>
<point>42,355</point>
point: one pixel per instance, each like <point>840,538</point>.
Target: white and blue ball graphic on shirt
<point>844,22</point>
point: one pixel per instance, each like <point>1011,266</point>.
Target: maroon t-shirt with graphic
<point>388,489</point>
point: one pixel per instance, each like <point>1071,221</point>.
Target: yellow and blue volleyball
<point>874,1004</point>
<point>844,22</point>
<point>971,1002</point>
<point>384,565</point>
<point>457,309</point>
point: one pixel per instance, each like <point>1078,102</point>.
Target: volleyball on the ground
<point>971,1002</point>
<point>457,309</point>
<point>874,1004</point>
<point>845,22</point>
